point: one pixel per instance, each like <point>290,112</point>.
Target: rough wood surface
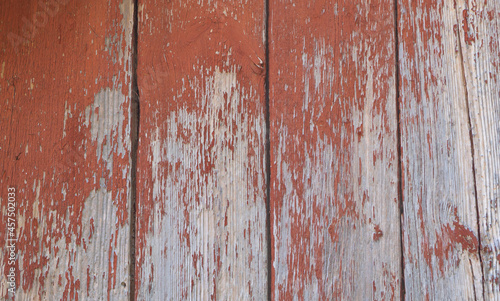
<point>480,44</point>
<point>335,223</point>
<point>440,227</point>
<point>65,94</point>
<point>340,74</point>
<point>201,161</point>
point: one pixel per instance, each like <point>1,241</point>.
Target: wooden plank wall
<point>286,150</point>
<point>335,222</point>
<point>65,96</point>
<point>449,99</point>
<point>440,218</point>
<point>201,231</point>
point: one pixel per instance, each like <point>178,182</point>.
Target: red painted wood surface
<point>65,78</point>
<point>440,226</point>
<point>335,226</point>
<point>201,161</point>
<point>337,75</point>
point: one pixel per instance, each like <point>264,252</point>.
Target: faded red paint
<point>453,236</point>
<point>468,29</point>
<point>377,234</point>
<point>54,62</point>
<point>440,226</point>
<point>182,46</point>
<point>336,38</point>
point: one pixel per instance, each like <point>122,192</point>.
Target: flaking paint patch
<point>61,169</point>
<point>78,267</point>
<point>105,118</point>
<point>208,86</point>
<point>333,151</point>
<point>348,219</point>
<point>127,12</point>
<point>67,113</point>
<point>437,172</point>
<point>480,45</point>
<point>206,199</point>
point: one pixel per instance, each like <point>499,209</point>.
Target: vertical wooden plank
<point>480,43</point>
<point>334,202</point>
<point>440,218</point>
<point>201,158</point>
<point>65,95</point>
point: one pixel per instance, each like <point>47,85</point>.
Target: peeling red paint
<point>452,236</point>
<point>202,98</point>
<point>439,197</point>
<point>378,233</point>
<point>469,35</point>
<point>331,69</point>
<point>49,154</point>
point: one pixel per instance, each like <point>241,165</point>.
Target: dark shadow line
<point>399,151</point>
<point>268,158</point>
<point>134,139</point>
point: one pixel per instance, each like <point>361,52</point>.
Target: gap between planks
<point>268,154</point>
<point>398,145</point>
<point>134,139</point>
<point>134,133</point>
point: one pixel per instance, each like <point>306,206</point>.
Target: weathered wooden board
<point>440,226</point>
<point>480,45</point>
<point>201,215</point>
<point>65,76</point>
<point>335,222</point>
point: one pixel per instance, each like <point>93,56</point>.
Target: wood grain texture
<point>65,96</point>
<point>335,222</point>
<point>201,159</point>
<point>480,45</point>
<point>440,227</point>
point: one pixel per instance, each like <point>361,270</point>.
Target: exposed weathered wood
<point>440,230</point>
<point>201,161</point>
<point>64,147</point>
<point>65,100</point>
<point>478,25</point>
<point>335,222</point>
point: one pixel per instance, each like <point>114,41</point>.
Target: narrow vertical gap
<point>134,139</point>
<point>268,159</point>
<point>398,132</point>
<point>464,81</point>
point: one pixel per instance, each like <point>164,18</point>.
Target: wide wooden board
<point>65,77</point>
<point>480,44</point>
<point>440,226</point>
<point>335,222</point>
<point>201,218</point>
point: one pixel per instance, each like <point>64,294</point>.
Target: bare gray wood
<point>480,45</point>
<point>440,226</point>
